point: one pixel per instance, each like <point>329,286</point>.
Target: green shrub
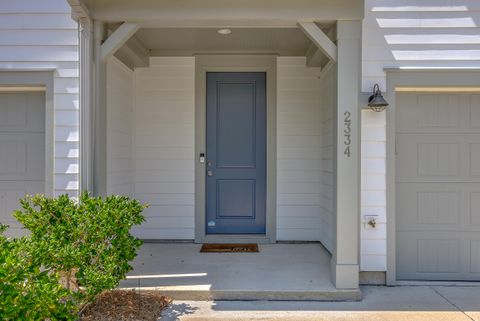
<point>27,292</point>
<point>77,248</point>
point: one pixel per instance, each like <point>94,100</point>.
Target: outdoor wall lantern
<point>376,102</point>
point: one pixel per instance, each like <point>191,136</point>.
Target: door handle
<point>209,173</point>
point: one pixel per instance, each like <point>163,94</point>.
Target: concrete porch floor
<point>278,272</point>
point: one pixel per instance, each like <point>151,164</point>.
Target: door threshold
<point>236,238</point>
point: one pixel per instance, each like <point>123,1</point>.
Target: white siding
<point>39,35</point>
<point>419,33</point>
<point>299,196</point>
<point>163,150</point>
<point>327,163</point>
<point>406,34</point>
<point>373,240</point>
<point>119,128</point>
<point>164,147</point>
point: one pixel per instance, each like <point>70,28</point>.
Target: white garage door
<point>22,151</point>
<point>438,186</point>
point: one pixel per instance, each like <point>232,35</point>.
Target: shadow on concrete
<point>175,311</point>
<point>376,298</point>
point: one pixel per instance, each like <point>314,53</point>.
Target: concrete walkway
<point>403,303</point>
<point>277,272</point>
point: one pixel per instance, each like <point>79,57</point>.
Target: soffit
<point>215,13</point>
<point>191,41</point>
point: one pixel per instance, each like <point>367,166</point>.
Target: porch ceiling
<point>191,41</point>
<point>217,13</point>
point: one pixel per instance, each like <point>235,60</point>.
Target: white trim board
<point>17,89</point>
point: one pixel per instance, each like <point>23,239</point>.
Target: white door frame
<point>26,80</point>
<point>235,63</point>
<point>414,78</point>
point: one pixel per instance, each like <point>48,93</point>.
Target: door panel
<point>236,153</point>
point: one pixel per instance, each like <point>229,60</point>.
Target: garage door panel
<point>431,256</point>
<point>438,256</point>
<point>474,159</point>
<point>22,152</point>
<point>428,156</point>
<point>22,112</point>
<point>440,208</point>
<point>421,205</point>
<point>433,206</point>
<point>474,208</point>
<point>438,157</point>
<point>10,194</point>
<point>438,111</point>
<point>22,156</point>
<point>438,186</point>
<point>9,202</point>
<point>474,112</point>
<point>475,257</point>
<point>433,112</point>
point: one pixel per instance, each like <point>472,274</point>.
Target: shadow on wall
<point>428,34</point>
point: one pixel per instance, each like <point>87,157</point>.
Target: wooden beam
<point>315,57</point>
<point>320,39</point>
<point>134,54</point>
<point>117,39</point>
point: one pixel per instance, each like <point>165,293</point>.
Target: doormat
<point>229,248</point>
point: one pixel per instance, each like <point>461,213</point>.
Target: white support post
<point>86,105</point>
<point>320,39</point>
<point>100,115</point>
<point>345,259</point>
<point>117,39</point>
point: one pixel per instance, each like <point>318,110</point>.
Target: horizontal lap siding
<point>327,162</point>
<point>373,197</point>
<point>408,34</point>
<point>39,35</point>
<point>427,33</point>
<point>119,128</point>
<point>164,147</point>
<point>298,150</point>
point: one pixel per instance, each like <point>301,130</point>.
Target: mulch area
<point>122,305</point>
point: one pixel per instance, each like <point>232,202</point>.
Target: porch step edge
<point>255,295</point>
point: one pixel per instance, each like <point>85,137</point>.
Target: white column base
<point>344,276</point>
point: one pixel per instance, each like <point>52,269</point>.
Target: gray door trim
<point>44,78</point>
<point>411,78</point>
<point>235,63</point>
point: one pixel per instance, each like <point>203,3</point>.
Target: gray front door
<point>236,153</point>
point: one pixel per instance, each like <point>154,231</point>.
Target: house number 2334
<point>347,133</point>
